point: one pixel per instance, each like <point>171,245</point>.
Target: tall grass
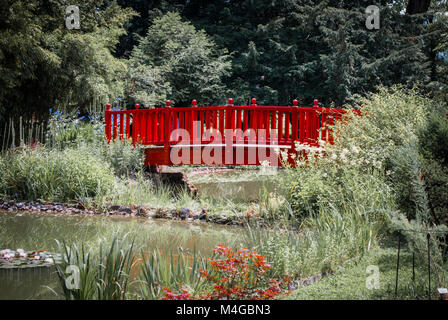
<point>103,275</point>
<point>40,173</point>
<point>169,270</point>
<point>324,242</point>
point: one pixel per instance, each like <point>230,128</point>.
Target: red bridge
<point>233,135</point>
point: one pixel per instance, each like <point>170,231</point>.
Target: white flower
<point>49,260</point>
<point>21,253</point>
<point>355,149</point>
<point>377,164</point>
<point>5,251</point>
<point>265,163</point>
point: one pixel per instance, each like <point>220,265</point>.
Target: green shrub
<point>434,136</point>
<point>436,184</point>
<point>434,150</point>
<point>54,175</point>
<point>123,157</point>
<point>374,163</point>
<point>103,274</point>
<point>67,130</point>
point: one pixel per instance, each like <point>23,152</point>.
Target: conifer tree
<point>177,61</point>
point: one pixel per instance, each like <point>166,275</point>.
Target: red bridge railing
<point>236,126</point>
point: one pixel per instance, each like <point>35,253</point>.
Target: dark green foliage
<point>312,49</point>
<point>44,64</point>
<point>436,183</point>
<point>434,149</point>
<point>178,61</point>
<point>434,137</point>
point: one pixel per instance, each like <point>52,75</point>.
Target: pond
<point>39,231</point>
<point>244,185</point>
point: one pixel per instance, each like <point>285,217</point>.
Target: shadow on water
<point>39,231</point>
<point>235,186</point>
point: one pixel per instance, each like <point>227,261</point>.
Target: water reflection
<point>236,186</point>
<point>39,231</point>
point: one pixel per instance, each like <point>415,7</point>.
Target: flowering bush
<point>236,275</point>
<point>357,169</point>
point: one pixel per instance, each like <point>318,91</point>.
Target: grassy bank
<point>354,281</point>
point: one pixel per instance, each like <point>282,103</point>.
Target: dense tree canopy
<point>44,64</point>
<point>176,59</point>
<point>177,49</point>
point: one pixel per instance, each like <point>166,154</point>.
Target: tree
<point>177,61</point>
<point>47,65</point>
<point>284,49</point>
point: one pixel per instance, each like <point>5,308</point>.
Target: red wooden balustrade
<point>242,127</point>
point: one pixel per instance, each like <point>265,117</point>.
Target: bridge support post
<point>167,132</point>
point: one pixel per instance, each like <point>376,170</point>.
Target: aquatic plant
<point>163,269</point>
<point>104,275</point>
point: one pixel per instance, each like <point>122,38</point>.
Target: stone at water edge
<point>184,213</point>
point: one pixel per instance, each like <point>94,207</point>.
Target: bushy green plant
<point>433,136</point>
<point>103,274</point>
<point>123,157</point>
<point>69,131</point>
<point>324,242</point>
<point>355,170</point>
<point>434,150</point>
<point>436,185</point>
<point>41,173</point>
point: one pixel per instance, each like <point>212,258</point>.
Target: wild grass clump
<point>101,273</point>
<point>49,174</point>
<point>324,242</point>
<point>175,270</point>
<point>123,157</point>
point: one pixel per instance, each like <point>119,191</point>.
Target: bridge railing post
<point>229,130</point>
<point>167,131</point>
<point>107,122</point>
<point>316,122</point>
<point>294,128</point>
<point>255,121</point>
<point>136,125</point>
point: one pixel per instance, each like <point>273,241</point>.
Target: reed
<point>171,270</point>
<point>103,275</point>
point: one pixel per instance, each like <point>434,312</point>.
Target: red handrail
<point>230,125</point>
<point>285,123</point>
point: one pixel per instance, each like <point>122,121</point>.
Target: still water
<point>245,186</point>
<point>39,232</point>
